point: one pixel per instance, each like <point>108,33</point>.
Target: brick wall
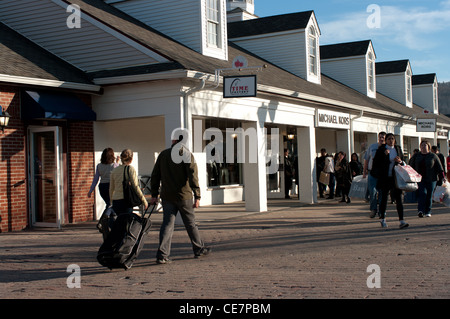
<point>13,186</point>
<point>81,170</point>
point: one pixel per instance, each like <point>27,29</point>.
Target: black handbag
<point>130,193</point>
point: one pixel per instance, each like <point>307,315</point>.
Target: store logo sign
<point>241,86</point>
<point>426,125</point>
<point>325,118</point>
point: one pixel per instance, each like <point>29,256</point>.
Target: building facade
<point>129,73</point>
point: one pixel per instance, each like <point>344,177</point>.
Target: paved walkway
<point>326,250</point>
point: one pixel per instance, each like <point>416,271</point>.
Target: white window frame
<point>213,23</point>
<point>408,86</point>
<point>435,97</point>
<point>312,51</point>
<point>371,72</point>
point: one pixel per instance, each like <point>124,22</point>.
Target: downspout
<point>186,94</point>
<point>352,136</point>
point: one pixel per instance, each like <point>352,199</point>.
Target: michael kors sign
<point>325,118</point>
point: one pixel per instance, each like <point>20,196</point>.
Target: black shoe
<point>348,200</point>
<point>203,252</point>
<point>330,197</point>
<point>163,260</point>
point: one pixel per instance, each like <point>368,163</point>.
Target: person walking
<point>374,196</point>
<point>288,174</point>
<point>386,157</point>
<point>427,164</point>
<point>119,205</point>
<point>435,150</point>
<point>108,162</point>
<point>320,165</point>
<point>329,168</point>
<point>343,176</point>
<point>178,187</point>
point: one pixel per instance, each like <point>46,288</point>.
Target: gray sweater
<point>428,165</point>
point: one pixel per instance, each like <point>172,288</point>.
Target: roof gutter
<point>50,83</point>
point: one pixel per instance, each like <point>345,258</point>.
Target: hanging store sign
<point>426,125</point>
<point>326,118</point>
<point>239,86</point>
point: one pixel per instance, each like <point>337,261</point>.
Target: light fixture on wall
<point>4,120</point>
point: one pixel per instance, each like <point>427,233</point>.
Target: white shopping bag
<point>442,194</point>
<point>407,173</point>
<point>358,188</point>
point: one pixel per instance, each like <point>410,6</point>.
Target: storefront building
<point>136,74</point>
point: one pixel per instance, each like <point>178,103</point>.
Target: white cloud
<point>414,28</point>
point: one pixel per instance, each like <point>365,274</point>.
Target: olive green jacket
<point>172,181</point>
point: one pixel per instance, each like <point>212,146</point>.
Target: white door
<point>45,171</point>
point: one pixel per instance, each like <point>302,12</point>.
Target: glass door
<point>45,173</point>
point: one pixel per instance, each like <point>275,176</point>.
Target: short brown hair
<point>126,156</point>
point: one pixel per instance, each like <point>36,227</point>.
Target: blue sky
<point>418,30</point>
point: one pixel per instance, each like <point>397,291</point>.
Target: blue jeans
<point>425,195</point>
<point>373,192</point>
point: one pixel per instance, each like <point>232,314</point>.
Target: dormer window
<point>213,22</point>
<point>408,86</point>
<point>312,51</point>
<point>371,72</point>
<point>435,96</point>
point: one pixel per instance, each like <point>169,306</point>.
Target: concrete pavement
<point>327,250</point>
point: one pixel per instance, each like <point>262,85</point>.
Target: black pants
<point>103,188</point>
<point>386,187</point>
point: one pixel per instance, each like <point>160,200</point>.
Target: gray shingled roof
<point>340,50</point>
<point>391,66</point>
<point>272,24</point>
<point>423,79</point>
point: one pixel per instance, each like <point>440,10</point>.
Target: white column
<point>172,121</point>
<point>306,149</point>
<point>255,183</point>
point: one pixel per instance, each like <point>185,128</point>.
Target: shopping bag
<point>324,178</point>
<point>408,174</point>
<point>403,185</point>
<point>358,188</point>
<point>439,193</point>
<point>442,194</point>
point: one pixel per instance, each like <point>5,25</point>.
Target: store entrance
<point>45,176</point>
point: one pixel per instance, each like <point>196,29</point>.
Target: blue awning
<point>53,105</point>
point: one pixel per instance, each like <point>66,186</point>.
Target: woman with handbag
<point>119,175</point>
<point>427,164</point>
<point>387,156</point>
